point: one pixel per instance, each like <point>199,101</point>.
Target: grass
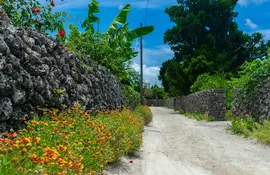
<point>181,111</point>
<point>70,142</point>
<point>200,117</point>
<point>244,125</point>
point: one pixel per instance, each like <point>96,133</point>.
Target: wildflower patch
<point>70,142</point>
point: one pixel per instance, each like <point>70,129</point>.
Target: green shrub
<point>243,125</point>
<point>206,82</point>
<point>21,13</point>
<point>263,132</point>
<point>145,113</point>
<point>181,111</point>
<point>132,97</point>
<point>70,142</point>
<point>229,115</point>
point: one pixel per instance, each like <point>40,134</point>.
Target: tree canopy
<point>206,39</point>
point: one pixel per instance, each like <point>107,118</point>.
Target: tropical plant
<point>111,49</point>
<point>33,14</point>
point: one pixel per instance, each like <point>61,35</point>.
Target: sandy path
<point>176,145</point>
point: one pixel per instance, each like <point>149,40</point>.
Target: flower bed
<point>70,142</point>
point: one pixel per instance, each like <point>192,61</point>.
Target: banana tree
<point>117,34</point>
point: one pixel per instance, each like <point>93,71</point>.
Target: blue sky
<point>254,15</point>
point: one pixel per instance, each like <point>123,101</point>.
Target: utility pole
<point>141,56</point>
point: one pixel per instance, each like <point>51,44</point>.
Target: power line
<point>146,10</point>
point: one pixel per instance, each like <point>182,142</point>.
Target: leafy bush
<point>181,111</point>
<point>132,97</point>
<point>113,48</point>
<point>145,113</point>
<point>251,74</point>
<point>243,125</point>
<point>34,15</point>
<point>70,142</point>
<point>206,82</point>
<point>200,117</point>
<point>262,133</point>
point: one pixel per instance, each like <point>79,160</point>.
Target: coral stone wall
<point>35,70</point>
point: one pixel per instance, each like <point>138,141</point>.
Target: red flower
<point>131,161</point>
<point>66,50</point>
<point>52,3</point>
<point>37,10</point>
<point>61,33</point>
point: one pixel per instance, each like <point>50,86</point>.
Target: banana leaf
<point>121,18</point>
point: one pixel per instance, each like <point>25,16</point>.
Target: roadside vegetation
<point>244,125</point>
<point>145,112</point>
<point>200,117</point>
<point>71,141</point>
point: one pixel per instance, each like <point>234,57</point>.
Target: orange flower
<point>34,122</point>
<point>83,133</point>
<point>44,123</point>
<point>62,148</point>
<point>36,159</point>
<point>69,164</point>
<point>66,143</point>
<point>50,153</point>
<point>37,139</point>
<point>78,166</point>
<point>25,140</point>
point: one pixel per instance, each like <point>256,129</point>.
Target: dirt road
<point>176,145</point>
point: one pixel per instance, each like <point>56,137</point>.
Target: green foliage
<point>154,92</point>
<point>162,73</point>
<point>251,74</point>
<point>200,117</point>
<point>181,111</point>
<point>229,115</point>
<point>111,49</point>
<point>178,83</point>
<point>206,39</point>
<point>206,82</point>
<point>132,97</point>
<point>263,132</point>
<point>243,125</point>
<point>145,113</point>
<point>20,13</point>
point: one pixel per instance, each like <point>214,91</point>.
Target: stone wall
<point>256,103</point>
<point>212,101</point>
<point>155,102</point>
<point>35,70</point>
<point>170,102</point>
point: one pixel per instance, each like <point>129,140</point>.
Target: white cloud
<point>247,2</point>
<point>154,56</point>
<point>152,60</point>
<point>150,74</point>
<point>110,3</point>
<point>250,24</point>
